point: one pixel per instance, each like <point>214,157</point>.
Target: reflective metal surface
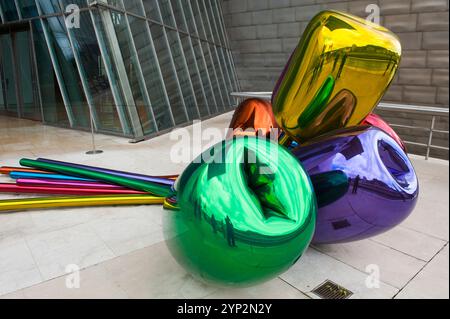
<point>246,213</point>
<point>339,72</point>
<point>69,184</point>
<point>377,121</point>
<point>21,175</point>
<point>152,188</point>
<point>6,170</point>
<point>253,117</point>
<point>364,182</point>
<point>145,178</point>
<point>52,190</point>
<point>88,201</point>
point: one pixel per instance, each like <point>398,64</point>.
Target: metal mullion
<point>219,25</point>
<point>217,56</point>
<point>19,13</point>
<point>82,74</point>
<point>38,82</point>
<point>220,53</point>
<point>59,79</point>
<point>228,46</point>
<point>161,78</point>
<point>203,59</point>
<point>117,96</point>
<point>222,23</point>
<point>227,73</point>
<point>215,72</point>
<point>184,60</point>
<point>16,77</point>
<point>195,58</point>
<point>124,81</point>
<point>158,67</point>
<point>174,69</point>
<point>2,15</point>
<point>210,55</point>
<point>3,82</point>
<point>141,76</point>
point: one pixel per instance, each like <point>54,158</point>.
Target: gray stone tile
<point>411,242</point>
<point>395,268</point>
<point>431,282</point>
<point>314,268</point>
<point>274,289</point>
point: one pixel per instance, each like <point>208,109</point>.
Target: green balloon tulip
<point>247,213</point>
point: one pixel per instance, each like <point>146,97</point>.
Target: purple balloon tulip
<point>364,182</point>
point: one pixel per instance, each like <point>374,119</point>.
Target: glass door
<point>19,94</point>
<point>26,76</point>
<point>7,76</point>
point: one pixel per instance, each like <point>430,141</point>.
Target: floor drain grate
<point>330,290</point>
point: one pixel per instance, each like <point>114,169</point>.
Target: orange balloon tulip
<point>254,117</point>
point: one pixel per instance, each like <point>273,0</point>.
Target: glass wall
<point>129,67</point>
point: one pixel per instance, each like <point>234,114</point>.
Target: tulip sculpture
<point>246,209</point>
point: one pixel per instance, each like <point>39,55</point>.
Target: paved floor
<point>123,255</point>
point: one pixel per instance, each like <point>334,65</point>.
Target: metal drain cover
<point>331,290</point>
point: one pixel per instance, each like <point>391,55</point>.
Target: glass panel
<point>95,75</point>
<point>131,65</point>
<point>111,67</point>
<point>204,76</point>
<point>66,62</point>
<point>79,3</point>
<point>28,8</point>
<point>135,6</point>
<point>52,101</point>
<point>198,19</point>
<point>218,18</point>
<point>229,68</point>
<point>166,12</point>
<point>220,75</point>
<point>26,76</point>
<point>195,77</point>
<point>186,5</point>
<point>49,6</point>
<point>178,13</point>
<point>176,102</point>
<point>9,10</point>
<point>213,75</point>
<point>115,3</point>
<point>212,21</point>
<point>149,65</point>
<point>151,9</point>
<point>8,73</point>
<point>228,88</point>
<point>183,75</point>
<point>206,24</point>
<point>2,93</point>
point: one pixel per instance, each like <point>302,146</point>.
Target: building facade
<point>135,68</point>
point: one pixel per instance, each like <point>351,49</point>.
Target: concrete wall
<point>263,34</point>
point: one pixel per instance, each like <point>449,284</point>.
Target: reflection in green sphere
<point>247,213</point>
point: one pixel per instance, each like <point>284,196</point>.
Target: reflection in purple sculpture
<point>364,182</point>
